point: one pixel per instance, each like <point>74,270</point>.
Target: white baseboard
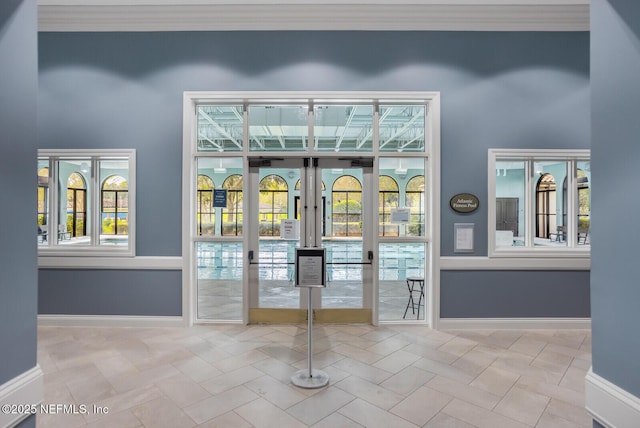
<point>25,389</point>
<point>110,321</point>
<point>514,324</point>
<point>609,404</point>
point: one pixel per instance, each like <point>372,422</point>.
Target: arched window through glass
<point>415,203</point>
<point>346,199</point>
<point>76,221</point>
<point>205,215</point>
<point>43,195</point>
<point>584,203</point>
<point>388,198</point>
<point>115,206</point>
<point>546,221</point>
<point>273,204</point>
<point>297,186</point>
<point>298,205</point>
<point>232,214</point>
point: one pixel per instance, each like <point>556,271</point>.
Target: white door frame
<point>432,176</point>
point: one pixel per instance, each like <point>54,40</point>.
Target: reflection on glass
<point>402,128</point>
<point>278,128</point>
<point>344,274</point>
<point>510,203</point>
<point>220,128</point>
<point>399,261</point>
<point>276,274</point>
<point>219,267</point>
<point>340,128</point>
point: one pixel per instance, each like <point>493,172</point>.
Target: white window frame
<point>572,157</point>
<point>94,195</point>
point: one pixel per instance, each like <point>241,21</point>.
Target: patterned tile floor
<point>388,376</point>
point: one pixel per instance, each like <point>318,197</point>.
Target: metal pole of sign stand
<point>309,378</point>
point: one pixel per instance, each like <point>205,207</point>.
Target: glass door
<point>310,202</point>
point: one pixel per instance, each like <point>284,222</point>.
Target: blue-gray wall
<point>110,292</point>
<point>18,141</point>
<point>499,90</point>
<point>514,294</point>
<point>615,288</point>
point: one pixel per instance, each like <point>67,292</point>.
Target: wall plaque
<point>464,203</point>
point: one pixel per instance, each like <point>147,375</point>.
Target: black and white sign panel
<point>311,267</point>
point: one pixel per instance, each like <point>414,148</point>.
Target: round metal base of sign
<point>318,379</point>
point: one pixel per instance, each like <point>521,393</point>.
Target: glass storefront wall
<point>392,134</point>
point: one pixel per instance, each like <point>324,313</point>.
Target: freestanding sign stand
<point>310,273</point>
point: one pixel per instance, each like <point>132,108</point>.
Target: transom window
<point>337,127</point>
<point>539,201</point>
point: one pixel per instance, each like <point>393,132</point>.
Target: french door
<point>321,202</point>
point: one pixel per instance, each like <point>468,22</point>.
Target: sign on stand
<point>311,267</point>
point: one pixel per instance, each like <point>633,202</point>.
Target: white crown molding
<point>252,15</point>
<point>609,404</point>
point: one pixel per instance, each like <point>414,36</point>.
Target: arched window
<point>273,204</point>
<point>76,224</point>
<point>297,186</point>
<point>232,214</point>
<point>346,199</point>
<point>415,203</point>
<point>584,206</point>
<point>205,214</point>
<point>43,196</point>
<point>388,198</point>
<point>115,206</point>
<point>546,206</point>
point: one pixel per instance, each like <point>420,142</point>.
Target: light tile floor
<point>388,376</point>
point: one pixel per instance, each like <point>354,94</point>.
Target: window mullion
<point>572,227</point>
<point>94,197</point>
<point>530,205</point>
<point>54,202</point>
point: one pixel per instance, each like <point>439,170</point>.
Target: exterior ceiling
<point>249,15</point>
